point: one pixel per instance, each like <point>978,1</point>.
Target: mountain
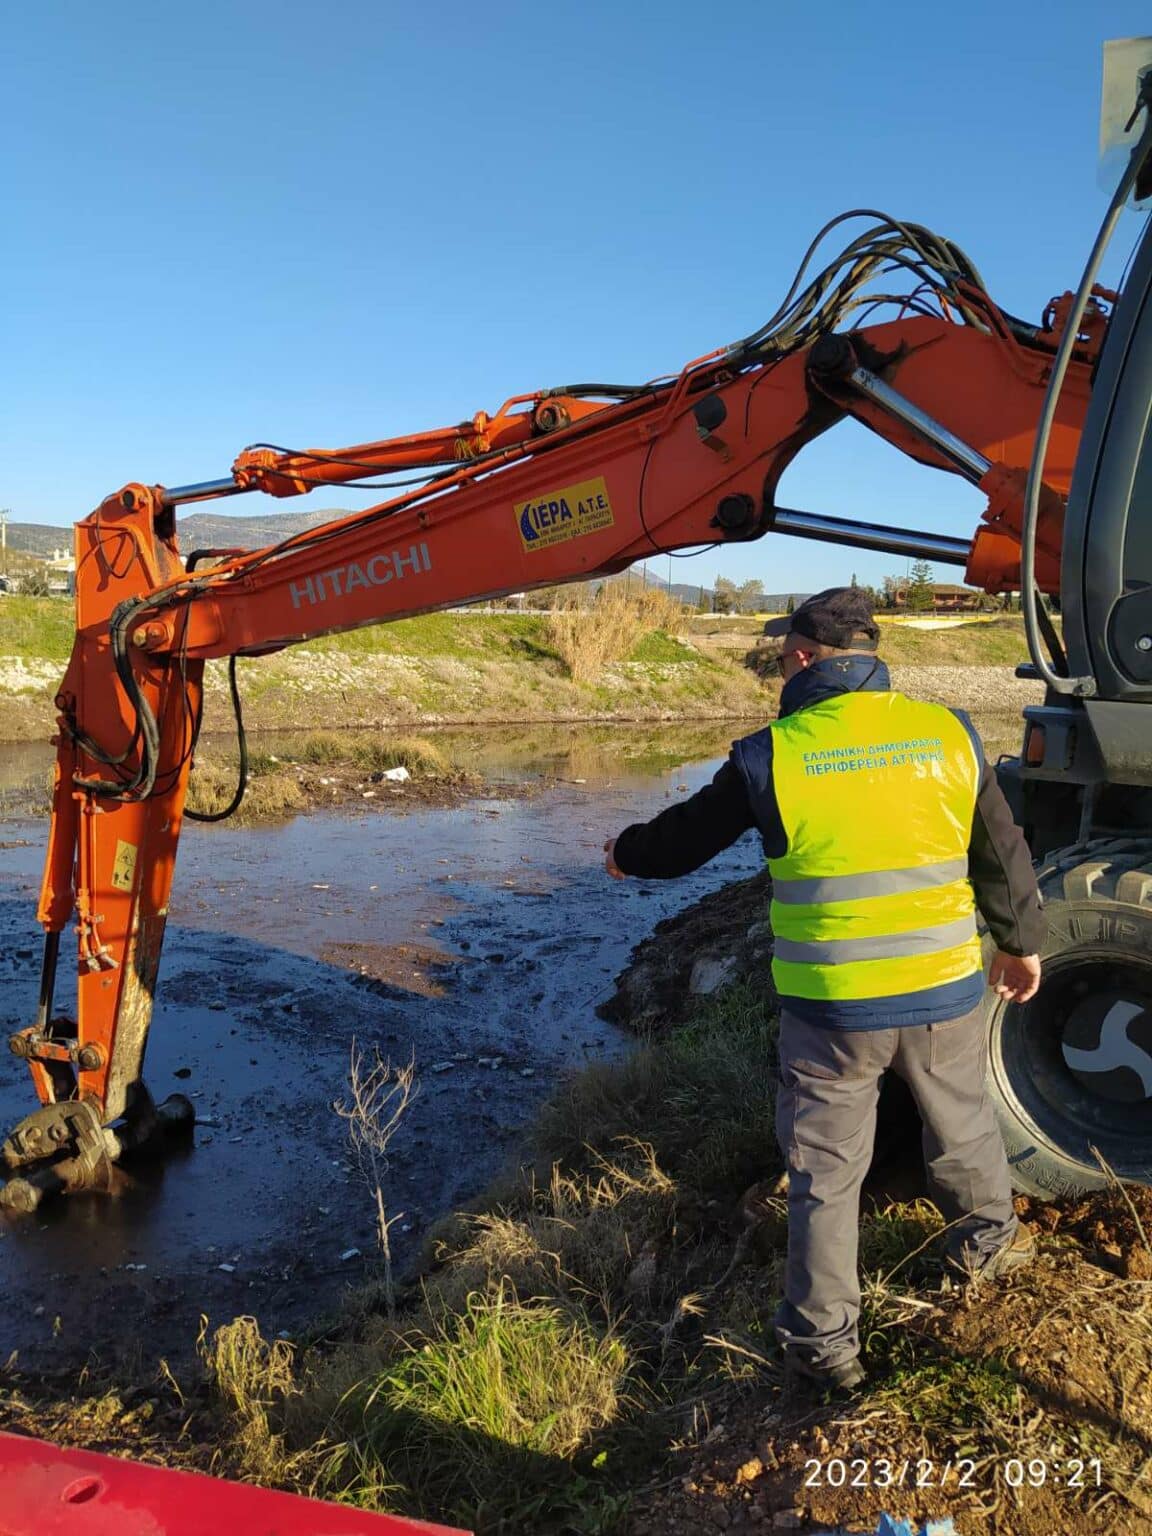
<point>199,530</point>
<point>38,539</point>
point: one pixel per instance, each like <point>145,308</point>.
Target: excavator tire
<point>1070,1073</point>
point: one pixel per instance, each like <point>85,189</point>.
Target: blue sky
<point>327,224</point>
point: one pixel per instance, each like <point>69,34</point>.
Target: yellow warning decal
<point>564,514</point>
<point>124,868</point>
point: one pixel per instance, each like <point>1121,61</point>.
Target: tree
<point>853,583</point>
<point>35,584</point>
<point>725,594</point>
<point>791,607</point>
<point>749,595</point>
<point>892,588</point>
<point>920,597</point>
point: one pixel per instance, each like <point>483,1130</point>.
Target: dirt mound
<point>1018,1408</point>
<point>1115,1226</point>
<point>725,937</point>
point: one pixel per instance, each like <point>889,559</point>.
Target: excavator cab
<point>1071,1071</point>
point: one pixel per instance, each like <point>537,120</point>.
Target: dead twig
<point>379,1096</point>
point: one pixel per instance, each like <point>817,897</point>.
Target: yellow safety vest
<point>876,793</point>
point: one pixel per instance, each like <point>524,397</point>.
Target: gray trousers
<point>826,1122</point>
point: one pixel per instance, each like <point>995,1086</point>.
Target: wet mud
<point>477,939</point>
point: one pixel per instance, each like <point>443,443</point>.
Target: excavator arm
<point>559,486</point>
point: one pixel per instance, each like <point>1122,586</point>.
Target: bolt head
<point>1144,643</point>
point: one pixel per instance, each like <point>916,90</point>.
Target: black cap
<point>840,617</point>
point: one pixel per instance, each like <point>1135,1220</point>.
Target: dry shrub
<point>577,1235</point>
<point>323,747</point>
<point>378,1099</point>
<point>371,754</point>
<point>422,758</point>
<point>212,785</point>
<point>591,635</point>
<point>254,1378</point>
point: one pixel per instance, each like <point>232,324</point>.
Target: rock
<point>787,1520</point>
<point>226,1269</point>
<point>349,1254</point>
<point>442,1066</point>
<point>710,973</point>
<point>750,1471</point>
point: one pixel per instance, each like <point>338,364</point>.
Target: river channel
<point>475,939</point>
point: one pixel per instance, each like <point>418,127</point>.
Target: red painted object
<point>47,1491</point>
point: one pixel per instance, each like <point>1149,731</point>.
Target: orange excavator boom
<point>558,486</point>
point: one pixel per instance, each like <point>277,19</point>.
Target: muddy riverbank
<point>478,937</point>
<point>477,940</point>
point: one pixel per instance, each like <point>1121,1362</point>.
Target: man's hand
<point>1016,978</point>
<point>610,863</point>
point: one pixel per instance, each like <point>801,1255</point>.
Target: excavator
<point>1049,418</point>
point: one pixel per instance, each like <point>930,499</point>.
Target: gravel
<point>975,688</point>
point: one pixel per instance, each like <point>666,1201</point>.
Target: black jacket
<point>688,834</point>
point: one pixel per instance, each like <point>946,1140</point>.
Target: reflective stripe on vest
<point>884,946</point>
<point>882,882</point>
<point>876,793</point>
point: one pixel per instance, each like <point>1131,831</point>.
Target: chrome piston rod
<point>972,464</point>
<point>205,490</point>
<point>937,547</point>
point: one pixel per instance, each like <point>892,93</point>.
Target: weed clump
<point>212,785</point>
<point>480,1411</point>
<point>592,634</point>
<point>252,1377</point>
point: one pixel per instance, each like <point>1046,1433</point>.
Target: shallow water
<point>476,939</point>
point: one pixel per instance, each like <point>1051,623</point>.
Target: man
<point>884,829</point>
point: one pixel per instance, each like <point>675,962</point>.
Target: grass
<point>275,788</point>
<point>700,1098</point>
<point>549,1316</point>
<point>212,785</point>
<point>980,643</point>
<point>253,1378</point>
<point>438,667</point>
<point>572,1327</point>
<point>475,1420</point>
<point>591,635</point>
<point>596,1325</point>
<point>458,635</point>
<point>37,628</point>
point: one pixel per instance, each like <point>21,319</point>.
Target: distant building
<point>946,598</point>
<point>60,568</point>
